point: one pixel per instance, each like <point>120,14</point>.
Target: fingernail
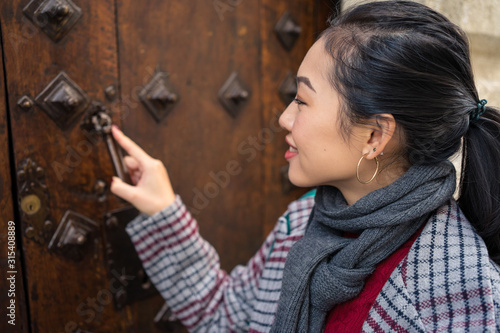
<point>116,127</point>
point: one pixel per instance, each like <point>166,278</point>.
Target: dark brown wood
<point>208,152</point>
<point>226,167</point>
<point>276,64</point>
<point>61,291</point>
<point>17,320</point>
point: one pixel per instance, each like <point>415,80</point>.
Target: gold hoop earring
<point>357,170</point>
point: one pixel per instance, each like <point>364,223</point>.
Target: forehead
<point>316,62</point>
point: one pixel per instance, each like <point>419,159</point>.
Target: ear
<point>382,129</point>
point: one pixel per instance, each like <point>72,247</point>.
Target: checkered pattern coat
<point>446,282</point>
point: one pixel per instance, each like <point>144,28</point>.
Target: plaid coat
<point>445,283</point>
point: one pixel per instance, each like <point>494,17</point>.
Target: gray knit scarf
<point>324,269</point>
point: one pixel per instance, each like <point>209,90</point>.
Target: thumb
<point>123,190</point>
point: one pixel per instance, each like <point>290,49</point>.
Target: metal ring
<point>357,170</point>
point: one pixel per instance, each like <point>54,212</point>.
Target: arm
<point>185,270</point>
<point>181,264</point>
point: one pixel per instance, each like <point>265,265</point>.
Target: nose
<point>287,117</point>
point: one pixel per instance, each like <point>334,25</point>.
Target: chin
<point>300,181</point>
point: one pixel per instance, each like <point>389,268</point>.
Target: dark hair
<point>403,58</point>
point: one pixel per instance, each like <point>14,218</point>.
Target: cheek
<point>327,147</point>
<point>304,129</point>
<point>315,145</point>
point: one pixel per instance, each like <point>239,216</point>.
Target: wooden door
<point>196,84</point>
<point>13,309</point>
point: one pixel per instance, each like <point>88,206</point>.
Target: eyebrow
<point>306,81</point>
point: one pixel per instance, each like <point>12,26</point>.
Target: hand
<point>152,191</point>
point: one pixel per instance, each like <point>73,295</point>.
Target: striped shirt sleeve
<point>186,271</point>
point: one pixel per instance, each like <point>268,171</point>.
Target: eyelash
<point>298,101</point>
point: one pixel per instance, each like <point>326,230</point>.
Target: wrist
<point>162,204</point>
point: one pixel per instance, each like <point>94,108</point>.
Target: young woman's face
<point>319,154</point>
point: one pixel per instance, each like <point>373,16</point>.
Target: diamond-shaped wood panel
<point>159,96</point>
<point>234,94</point>
<point>54,17</point>
<point>63,100</point>
<point>73,235</point>
<point>287,30</point>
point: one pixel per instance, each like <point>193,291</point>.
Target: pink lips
<point>291,152</point>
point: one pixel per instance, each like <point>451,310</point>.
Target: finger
<point>135,178</point>
<point>122,189</point>
<point>130,146</point>
<point>131,163</point>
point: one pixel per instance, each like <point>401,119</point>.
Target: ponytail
<point>480,179</point>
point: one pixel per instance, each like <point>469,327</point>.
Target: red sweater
<point>349,316</point>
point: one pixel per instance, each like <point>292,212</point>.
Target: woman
<point>385,96</point>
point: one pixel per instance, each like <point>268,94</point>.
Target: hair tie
<point>481,108</point>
